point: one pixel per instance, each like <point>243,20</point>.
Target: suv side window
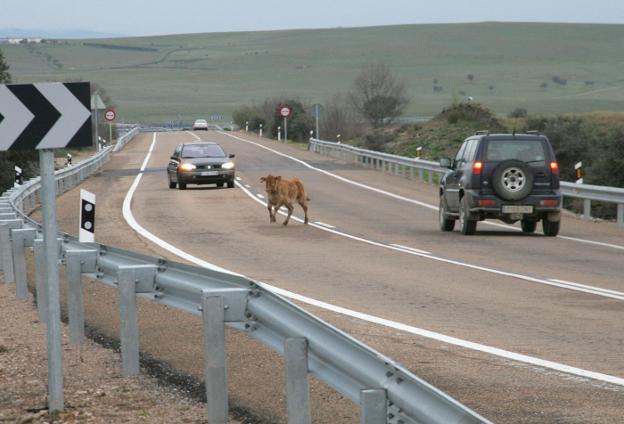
<point>471,149</point>
<point>459,159</point>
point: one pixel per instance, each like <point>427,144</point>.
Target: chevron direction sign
<point>46,115</point>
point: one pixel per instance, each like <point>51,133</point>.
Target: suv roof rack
<point>535,132</point>
<point>483,132</point>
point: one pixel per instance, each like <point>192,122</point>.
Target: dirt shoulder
<point>94,391</point>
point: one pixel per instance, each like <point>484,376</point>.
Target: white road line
<point>127,213</point>
<point>405,199</point>
<point>411,251</point>
<point>584,286</point>
<point>411,248</point>
<point>260,195</point>
<point>324,224</point>
<point>247,185</point>
<point>238,178</point>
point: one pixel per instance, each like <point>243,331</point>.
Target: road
<point>522,328</point>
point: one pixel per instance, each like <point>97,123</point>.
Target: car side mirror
<point>232,156</point>
<point>445,163</point>
<point>173,158</point>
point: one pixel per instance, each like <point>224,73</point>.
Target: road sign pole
<point>55,353</point>
<point>110,133</point>
<point>285,129</point>
<point>97,139</point>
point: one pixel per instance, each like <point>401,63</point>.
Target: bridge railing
<point>386,391</point>
<point>431,171</point>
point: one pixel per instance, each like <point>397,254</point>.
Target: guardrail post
<point>42,293</point>
<point>586,209</point>
<point>373,406</point>
<point>297,387</point>
<point>421,175</point>
<point>75,307</point>
<point>7,247</point>
<point>214,359</point>
<point>430,172</point>
<point>620,214</point>
<point>129,328</point>
<point>20,239</point>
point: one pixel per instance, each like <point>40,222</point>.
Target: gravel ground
<point>94,390</point>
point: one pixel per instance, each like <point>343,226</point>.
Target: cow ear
<point>262,179</point>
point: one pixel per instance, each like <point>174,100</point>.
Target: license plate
<point>517,209</point>
<point>209,173</point>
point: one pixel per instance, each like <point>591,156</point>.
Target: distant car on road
<point>200,125</point>
<point>511,177</point>
<point>200,163</point>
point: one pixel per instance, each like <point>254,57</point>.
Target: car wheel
<point>467,224</point>
<point>446,223</point>
<point>182,186</point>
<point>551,228</point>
<point>230,184</point>
<point>219,184</point>
<point>528,226</point>
<point>512,180</point>
<point>172,184</point>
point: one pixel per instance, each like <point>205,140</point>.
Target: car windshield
<point>524,150</point>
<point>200,121</point>
<point>203,151</point>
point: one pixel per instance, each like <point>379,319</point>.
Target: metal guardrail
<point>408,167</point>
<point>386,391</point>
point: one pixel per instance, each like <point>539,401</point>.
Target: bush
<point>518,112</point>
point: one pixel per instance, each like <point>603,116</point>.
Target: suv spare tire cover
<point>512,180</point>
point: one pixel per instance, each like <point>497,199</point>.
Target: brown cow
<point>281,192</point>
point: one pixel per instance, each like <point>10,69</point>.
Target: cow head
<point>271,183</point>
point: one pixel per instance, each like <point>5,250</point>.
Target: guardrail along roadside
<point>432,171</point>
<point>385,391</point>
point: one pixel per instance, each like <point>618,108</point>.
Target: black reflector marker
<point>87,217</point>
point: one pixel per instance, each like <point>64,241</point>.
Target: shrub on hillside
<point>470,112</point>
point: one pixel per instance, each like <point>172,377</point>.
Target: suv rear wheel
<point>446,223</point>
<point>528,226</point>
<point>551,228</point>
<point>512,180</point>
<point>467,224</point>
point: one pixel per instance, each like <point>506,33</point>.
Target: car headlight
<point>228,165</point>
<point>186,167</point>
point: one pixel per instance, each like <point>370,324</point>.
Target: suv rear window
<point>524,150</point>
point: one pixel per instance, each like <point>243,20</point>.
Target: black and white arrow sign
<point>45,116</point>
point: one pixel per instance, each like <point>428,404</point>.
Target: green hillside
<point>188,76</point>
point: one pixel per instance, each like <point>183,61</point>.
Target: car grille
<point>214,166</point>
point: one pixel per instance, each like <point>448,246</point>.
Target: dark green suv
<point>511,177</point>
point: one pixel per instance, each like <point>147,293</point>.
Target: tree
<point>337,117</point>
<point>377,95</point>
<point>5,76</point>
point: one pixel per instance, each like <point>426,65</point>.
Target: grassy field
<point>182,77</point>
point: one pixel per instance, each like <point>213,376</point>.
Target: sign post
<point>110,116</point>
<point>285,112</point>
<point>47,116</point>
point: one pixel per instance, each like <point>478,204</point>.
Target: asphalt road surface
<point>521,328</point>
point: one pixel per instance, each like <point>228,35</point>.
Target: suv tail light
<point>549,202</point>
<point>476,168</point>
<point>554,168</point>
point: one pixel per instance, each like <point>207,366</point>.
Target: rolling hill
<point>182,77</point>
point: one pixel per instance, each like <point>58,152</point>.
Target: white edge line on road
<point>324,224</point>
<point>127,213</point>
<point>260,195</point>
<point>405,199</point>
<point>411,248</point>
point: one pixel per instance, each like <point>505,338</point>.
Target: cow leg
<point>271,213</point>
<point>305,210</point>
<point>290,208</point>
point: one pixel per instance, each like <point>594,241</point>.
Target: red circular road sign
<point>285,111</point>
<point>109,115</point>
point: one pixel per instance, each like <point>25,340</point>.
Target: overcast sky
<point>146,17</point>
